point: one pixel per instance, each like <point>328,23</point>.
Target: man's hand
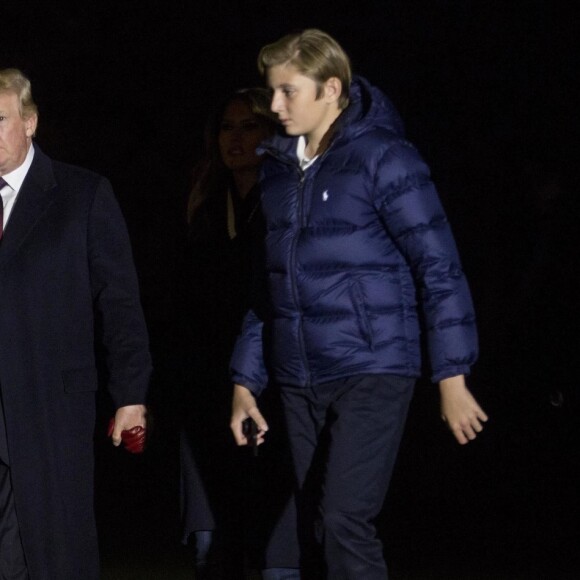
<point>244,406</point>
<point>460,410</point>
<point>127,418</point>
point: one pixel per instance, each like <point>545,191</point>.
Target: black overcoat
<point>66,269</point>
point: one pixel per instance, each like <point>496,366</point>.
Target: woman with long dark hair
<point>229,512</point>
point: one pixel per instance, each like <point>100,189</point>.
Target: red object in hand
<point>133,439</point>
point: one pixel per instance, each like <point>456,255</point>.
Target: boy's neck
<point>318,141</point>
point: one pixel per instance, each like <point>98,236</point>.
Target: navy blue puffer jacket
<point>357,246</point>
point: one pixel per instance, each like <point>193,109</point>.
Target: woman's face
<point>240,133</point>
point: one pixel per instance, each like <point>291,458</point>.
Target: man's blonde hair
<point>13,81</point>
<point>315,54</point>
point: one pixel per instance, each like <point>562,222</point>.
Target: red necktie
<point>2,184</point>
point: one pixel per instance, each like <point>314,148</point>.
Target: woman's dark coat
<point>222,486</point>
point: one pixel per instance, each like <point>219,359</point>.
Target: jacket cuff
<point>450,372</point>
<point>255,389</point>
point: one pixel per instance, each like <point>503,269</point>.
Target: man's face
<point>15,133</point>
<point>294,101</point>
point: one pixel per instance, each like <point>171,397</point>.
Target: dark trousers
<point>344,436</point>
<point>12,560</point>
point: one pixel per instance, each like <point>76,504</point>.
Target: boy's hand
<point>460,410</point>
<point>244,406</point>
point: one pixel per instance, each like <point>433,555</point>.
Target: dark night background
<point>488,91</point>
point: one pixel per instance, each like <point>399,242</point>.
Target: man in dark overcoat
<point>67,282</point>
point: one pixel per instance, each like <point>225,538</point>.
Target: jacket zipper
<point>301,217</point>
<point>300,211</point>
<point>301,223</point>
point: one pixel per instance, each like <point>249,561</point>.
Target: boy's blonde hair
<point>315,54</point>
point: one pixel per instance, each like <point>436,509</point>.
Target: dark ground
<point>504,507</point>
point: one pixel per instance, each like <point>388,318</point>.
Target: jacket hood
<point>369,109</point>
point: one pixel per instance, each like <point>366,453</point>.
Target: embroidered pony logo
<point>325,195</point>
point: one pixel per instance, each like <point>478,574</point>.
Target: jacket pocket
<point>80,380</point>
<point>360,310</point>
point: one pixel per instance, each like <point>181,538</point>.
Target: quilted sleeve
<point>414,217</point>
<point>247,366</point>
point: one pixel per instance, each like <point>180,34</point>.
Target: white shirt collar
<point>305,163</point>
<point>15,178</point>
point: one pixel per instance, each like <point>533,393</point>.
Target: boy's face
<point>294,101</point>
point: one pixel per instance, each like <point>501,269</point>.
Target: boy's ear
<point>332,89</point>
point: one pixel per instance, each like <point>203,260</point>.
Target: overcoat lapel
<point>34,198</point>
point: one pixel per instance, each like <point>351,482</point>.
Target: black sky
<point>487,91</point>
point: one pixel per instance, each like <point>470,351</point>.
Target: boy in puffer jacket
<point>358,251</point>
